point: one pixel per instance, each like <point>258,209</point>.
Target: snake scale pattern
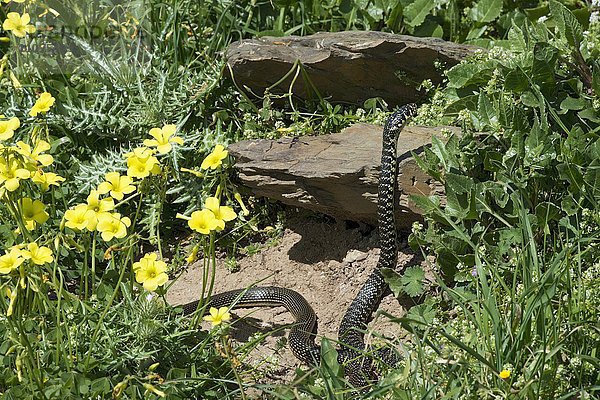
<point>351,333</point>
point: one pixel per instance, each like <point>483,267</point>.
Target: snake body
<point>366,302</point>
<point>302,334</point>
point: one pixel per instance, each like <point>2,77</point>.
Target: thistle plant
<point>49,240</point>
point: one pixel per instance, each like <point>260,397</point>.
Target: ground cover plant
<point>106,104</point>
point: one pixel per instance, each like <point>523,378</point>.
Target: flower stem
<point>93,264</point>
<point>124,266</point>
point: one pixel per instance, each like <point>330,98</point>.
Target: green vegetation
<point>138,92</point>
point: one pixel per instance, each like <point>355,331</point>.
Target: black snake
<point>351,332</point>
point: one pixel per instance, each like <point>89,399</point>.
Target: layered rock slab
<point>350,66</point>
<point>336,174</point>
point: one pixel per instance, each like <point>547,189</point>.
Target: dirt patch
<point>326,262</point>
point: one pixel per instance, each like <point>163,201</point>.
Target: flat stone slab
<point>350,66</point>
<point>336,174</point>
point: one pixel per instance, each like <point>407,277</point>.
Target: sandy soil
<point>327,262</point>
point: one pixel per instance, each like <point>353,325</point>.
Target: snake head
<point>397,120</point>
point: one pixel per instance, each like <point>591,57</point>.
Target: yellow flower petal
<point>504,374</point>
<point>150,272</point>
<point>38,255</point>
<point>217,316</point>
<point>215,158</point>
<point>33,212</point>
<point>42,104</point>
<point>8,128</point>
<point>203,221</point>
<point>11,260</point>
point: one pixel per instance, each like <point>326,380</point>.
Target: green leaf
<point>412,281</point>
<point>487,113</point>
<point>592,178</point>
<point>596,78</point>
<point>467,102</point>
<point>571,103</point>
<point>439,148</point>
<point>516,81</point>
<point>426,204</point>
<point>416,12</point>
<point>476,32</point>
<point>459,183</point>
<point>544,61</point>
<point>486,10</point>
<point>567,23</point>
<point>329,358</point>
<point>424,313</point>
<point>569,205</point>
<point>492,161</point>
<point>428,162</point>
<point>537,12</point>
<point>393,280</point>
<point>530,99</point>
<point>101,385</point>
<point>457,205</point>
<point>517,38</point>
<point>271,32</point>
<point>429,28</point>
<point>589,114</point>
<point>546,212</point>
<point>461,74</point>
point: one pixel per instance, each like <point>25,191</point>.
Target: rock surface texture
<point>343,66</point>
<point>335,174</point>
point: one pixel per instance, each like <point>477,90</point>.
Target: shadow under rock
<point>325,239</point>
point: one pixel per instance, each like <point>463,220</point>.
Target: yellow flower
<point>198,174</point>
<point>18,24</point>
<point>80,217</point>
<point>38,255</point>
<point>221,213</point>
<point>504,374</point>
<point>11,260</point>
<point>150,272</point>
<point>12,295</point>
<point>42,104</point>
<point>141,163</point>
<point>98,207</point>
<point>151,388</point>
<point>15,82</point>
<point>8,128</point>
<point>35,156</point>
<point>193,256</point>
<point>117,185</point>
<point>11,172</point>
<point>33,212</point>
<point>45,179</point>
<point>112,226</point>
<point>238,198</point>
<point>163,137</point>
<point>140,152</point>
<point>202,221</point>
<point>215,158</point>
<point>218,316</point>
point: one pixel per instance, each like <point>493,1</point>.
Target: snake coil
<point>302,334</point>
